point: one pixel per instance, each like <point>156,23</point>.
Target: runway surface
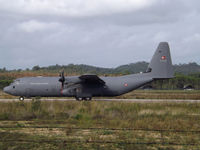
<point>116,100</point>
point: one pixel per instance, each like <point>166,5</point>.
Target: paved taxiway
<point>116,100</point>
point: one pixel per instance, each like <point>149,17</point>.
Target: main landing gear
<point>21,98</point>
<point>83,98</point>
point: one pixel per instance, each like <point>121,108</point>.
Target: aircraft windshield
<point>12,83</point>
<point>15,82</point>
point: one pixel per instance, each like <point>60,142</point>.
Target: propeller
<point>62,80</point>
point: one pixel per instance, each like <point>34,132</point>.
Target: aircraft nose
<point>6,89</point>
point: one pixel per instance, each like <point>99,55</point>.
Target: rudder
<point>160,66</point>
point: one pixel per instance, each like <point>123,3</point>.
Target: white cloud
<point>161,36</point>
<point>34,25</point>
<point>73,7</point>
<point>193,38</point>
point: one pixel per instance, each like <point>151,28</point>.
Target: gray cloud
<point>74,8</point>
<point>101,34</point>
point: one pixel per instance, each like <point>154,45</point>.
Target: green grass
<point>99,125</point>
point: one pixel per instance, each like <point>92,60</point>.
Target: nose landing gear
<point>21,98</point>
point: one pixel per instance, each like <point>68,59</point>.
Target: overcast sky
<point>104,33</point>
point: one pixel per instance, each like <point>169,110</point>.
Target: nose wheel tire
<point>21,98</point>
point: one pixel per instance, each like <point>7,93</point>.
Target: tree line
<point>185,74</point>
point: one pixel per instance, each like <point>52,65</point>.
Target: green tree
<point>36,68</point>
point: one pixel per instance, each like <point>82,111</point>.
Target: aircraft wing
<point>92,79</point>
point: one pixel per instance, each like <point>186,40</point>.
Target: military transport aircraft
<point>84,87</point>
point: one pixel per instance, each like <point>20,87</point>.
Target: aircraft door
<point>28,92</point>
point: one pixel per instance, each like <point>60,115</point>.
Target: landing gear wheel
<point>88,98</point>
<point>79,98</point>
<point>21,98</point>
<point>83,98</point>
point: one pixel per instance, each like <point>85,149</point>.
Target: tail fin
<point>160,66</point>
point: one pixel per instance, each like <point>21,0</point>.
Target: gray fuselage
<point>51,87</point>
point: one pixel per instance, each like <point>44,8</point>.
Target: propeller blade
<point>62,78</point>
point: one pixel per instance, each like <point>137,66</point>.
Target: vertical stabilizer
<point>160,66</point>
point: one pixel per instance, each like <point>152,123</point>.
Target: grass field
<point>99,125</point>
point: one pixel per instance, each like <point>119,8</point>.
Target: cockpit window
<point>17,81</point>
<point>12,83</point>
